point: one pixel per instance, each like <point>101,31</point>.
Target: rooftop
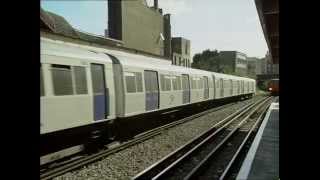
<point>56,24</point>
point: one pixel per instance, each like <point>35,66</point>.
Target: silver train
<point>95,92</point>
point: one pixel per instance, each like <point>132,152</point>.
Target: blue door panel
<point>99,107</point>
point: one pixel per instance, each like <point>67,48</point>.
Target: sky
<point>208,24</point>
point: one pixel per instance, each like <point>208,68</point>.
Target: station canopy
<point>268,11</point>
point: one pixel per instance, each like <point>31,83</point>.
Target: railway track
<point>193,160</point>
<point>72,164</point>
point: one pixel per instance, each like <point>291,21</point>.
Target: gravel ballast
<point>127,163</point>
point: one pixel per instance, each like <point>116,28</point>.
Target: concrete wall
<point>261,66</point>
<point>227,60</point>
<point>233,62</point>
<point>138,25</point>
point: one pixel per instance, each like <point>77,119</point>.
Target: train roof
<point>65,50</point>
<point>61,48</point>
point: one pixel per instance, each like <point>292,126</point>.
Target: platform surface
<point>262,160</point>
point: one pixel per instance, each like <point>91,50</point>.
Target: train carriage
<point>77,87</point>
<point>96,92</point>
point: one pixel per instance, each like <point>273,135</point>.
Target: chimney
<point>167,35</point>
<point>155,4</point>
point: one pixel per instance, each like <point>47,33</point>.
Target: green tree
<point>207,60</point>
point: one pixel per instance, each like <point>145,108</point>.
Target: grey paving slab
<point>262,161</point>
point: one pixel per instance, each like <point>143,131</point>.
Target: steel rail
<point>241,147</point>
<point>152,170</point>
<point>173,165</point>
<point>137,139</point>
<point>195,171</point>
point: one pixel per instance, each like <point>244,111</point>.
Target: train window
<point>168,83</point>
<point>200,83</point>
<point>130,82</point>
<point>210,83</point>
<point>185,82</point>
<point>139,81</point>
<point>154,81</point>
<point>193,83</point>
<point>225,84</point>
<point>41,82</point>
<point>80,80</point>
<point>98,81</point>
<point>217,84</point>
<point>162,82</point>
<point>165,82</point>
<point>133,82</point>
<point>62,79</point>
<point>176,83</point>
<point>234,84</point>
<point>197,83</point>
<point>178,79</point>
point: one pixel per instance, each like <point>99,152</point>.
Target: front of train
<point>273,87</point>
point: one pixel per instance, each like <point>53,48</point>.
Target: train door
<point>231,87</point>
<point>221,88</point>
<point>242,87</point>
<point>239,87</point>
<point>152,90</point>
<point>206,87</point>
<point>100,97</point>
<point>186,89</point>
<point>214,87</point>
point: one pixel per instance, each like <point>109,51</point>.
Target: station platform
<point>262,160</point>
